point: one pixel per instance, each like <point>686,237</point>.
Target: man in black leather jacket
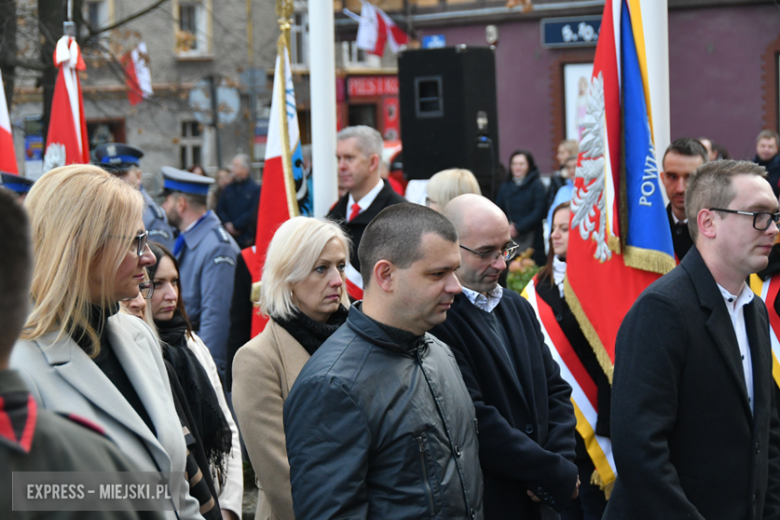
<point>379,423</point>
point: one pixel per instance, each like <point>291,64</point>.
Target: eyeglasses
<point>508,252</point>
<point>761,219</point>
<point>147,289</point>
<point>139,243</point>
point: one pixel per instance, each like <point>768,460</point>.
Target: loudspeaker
<point>448,112</point>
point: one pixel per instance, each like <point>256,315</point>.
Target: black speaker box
<point>448,112</point>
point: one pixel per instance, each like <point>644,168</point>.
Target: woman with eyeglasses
<point>303,292</point>
<point>548,284</point>
<point>203,392</point>
<point>77,354</point>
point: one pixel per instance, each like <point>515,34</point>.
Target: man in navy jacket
<point>526,420</point>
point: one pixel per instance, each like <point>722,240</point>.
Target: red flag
<point>66,142</point>
<point>278,202</point>
<point>134,94</point>
<point>619,240</point>
<point>7,152</point>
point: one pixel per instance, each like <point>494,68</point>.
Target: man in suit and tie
<point>526,419</point>
<point>359,154</point>
<point>695,430</point>
<point>680,161</point>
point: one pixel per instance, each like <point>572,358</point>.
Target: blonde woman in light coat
<point>77,355</point>
<point>304,294</point>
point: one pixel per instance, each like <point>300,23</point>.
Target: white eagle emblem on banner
<point>590,197</point>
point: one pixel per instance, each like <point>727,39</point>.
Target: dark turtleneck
<point>108,362</point>
<point>406,340</point>
<point>312,334</point>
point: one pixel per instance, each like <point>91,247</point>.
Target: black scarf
<point>201,398</point>
<point>309,333</point>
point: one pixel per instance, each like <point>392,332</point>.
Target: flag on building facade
<point>66,142</point>
<point>619,239</point>
<point>376,29</point>
<point>584,394</point>
<point>283,163</point>
<point>138,77</point>
<point>7,152</point>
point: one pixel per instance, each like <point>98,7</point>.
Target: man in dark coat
<point>526,419</point>
<point>680,161</point>
<point>379,423</point>
<point>767,144</point>
<point>359,153</point>
<point>695,430</point>
<point>237,206</point>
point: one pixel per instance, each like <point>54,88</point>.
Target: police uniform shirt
<point>156,222</point>
<point>207,263</point>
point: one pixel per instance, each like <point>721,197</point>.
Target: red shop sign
<point>362,86</point>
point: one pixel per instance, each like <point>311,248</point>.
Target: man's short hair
<point>769,134</point>
<point>711,187</point>
<point>369,141</point>
<point>244,159</point>
<point>16,266</point>
<point>396,235</point>
<point>196,201</point>
<point>688,147</point>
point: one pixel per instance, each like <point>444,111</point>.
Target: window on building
<point>299,40</point>
<point>190,144</point>
<point>192,29</point>
<point>351,56</point>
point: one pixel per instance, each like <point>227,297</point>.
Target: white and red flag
<point>7,153</point>
<point>278,199</point>
<point>138,77</point>
<point>66,142</point>
<point>376,29</point>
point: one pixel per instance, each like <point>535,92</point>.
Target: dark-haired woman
<point>197,372</point>
<point>548,284</point>
<point>523,198</point>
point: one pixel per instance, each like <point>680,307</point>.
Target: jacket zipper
<point>428,491</point>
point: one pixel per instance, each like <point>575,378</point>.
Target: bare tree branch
<point>27,64</point>
<point>93,32</point>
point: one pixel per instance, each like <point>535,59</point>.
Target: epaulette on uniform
<point>81,421</point>
<point>222,234</point>
<point>158,212</point>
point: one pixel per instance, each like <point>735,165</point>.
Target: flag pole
<point>322,59</point>
<point>655,17</point>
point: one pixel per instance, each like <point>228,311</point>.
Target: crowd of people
<point>380,369</point>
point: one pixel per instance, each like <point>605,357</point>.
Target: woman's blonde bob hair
<point>83,223</point>
<point>291,256</point>
<point>448,184</point>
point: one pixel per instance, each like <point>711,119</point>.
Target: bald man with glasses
<point>526,419</point>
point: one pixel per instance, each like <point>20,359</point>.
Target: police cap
<point>185,182</point>
<point>117,156</point>
<point>15,183</point>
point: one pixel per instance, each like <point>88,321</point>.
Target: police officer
<point>207,259</point>
<point>16,184</point>
<point>123,161</point>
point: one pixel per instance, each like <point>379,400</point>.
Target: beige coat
<point>264,371</point>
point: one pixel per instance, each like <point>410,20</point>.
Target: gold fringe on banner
<point>613,243</point>
<point>587,329</point>
<point>596,480</point>
<point>649,260</point>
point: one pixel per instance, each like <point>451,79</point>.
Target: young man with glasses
<point>526,420</point>
<point>694,424</point>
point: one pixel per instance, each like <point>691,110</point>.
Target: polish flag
<point>66,142</point>
<point>278,201</point>
<point>7,153</point>
<point>376,29</point>
<point>137,74</point>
